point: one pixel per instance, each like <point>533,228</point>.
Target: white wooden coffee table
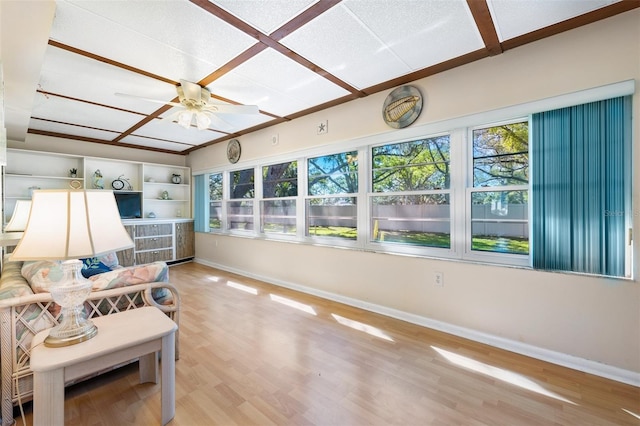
<point>121,337</point>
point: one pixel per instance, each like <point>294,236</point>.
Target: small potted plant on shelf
<point>73,172</point>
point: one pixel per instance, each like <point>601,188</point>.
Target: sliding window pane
<point>411,166</point>
<point>215,215</point>
<point>332,217</point>
<point>279,217</point>
<point>421,220</point>
<point>333,174</point>
<point>240,215</point>
<point>500,221</point>
<point>501,155</point>
<point>242,184</point>
<point>215,201</point>
<point>280,180</point>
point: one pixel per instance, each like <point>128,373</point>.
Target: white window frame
<point>485,256</point>
<point>461,174</point>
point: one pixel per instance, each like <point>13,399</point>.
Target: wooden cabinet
<point>126,257</point>
<point>159,240</point>
<point>185,240</point>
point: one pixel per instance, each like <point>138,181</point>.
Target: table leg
<point>168,378</point>
<point>48,397</point>
<point>148,368</point>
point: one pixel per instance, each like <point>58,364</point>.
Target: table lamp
<point>18,220</point>
<point>68,225</point>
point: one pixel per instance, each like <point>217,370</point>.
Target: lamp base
<point>74,326</point>
<point>58,342</point>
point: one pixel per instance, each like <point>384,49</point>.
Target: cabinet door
<point>185,240</point>
<point>125,257</point>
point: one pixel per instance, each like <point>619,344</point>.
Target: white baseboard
<point>558,358</point>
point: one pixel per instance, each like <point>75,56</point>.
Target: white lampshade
<point>20,216</point>
<point>72,224</point>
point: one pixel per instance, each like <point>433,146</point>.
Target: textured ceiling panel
<point>82,114</point>
<point>515,18</point>
<point>276,84</point>
<point>174,39</point>
<point>67,129</point>
<point>364,43</point>
<point>265,15</point>
<point>155,143</point>
<point>73,75</point>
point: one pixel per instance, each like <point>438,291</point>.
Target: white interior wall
<point>586,322</point>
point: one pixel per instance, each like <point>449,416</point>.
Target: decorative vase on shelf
<point>98,181</point>
<point>176,178</point>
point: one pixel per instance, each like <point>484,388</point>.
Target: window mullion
<point>459,179</point>
<point>363,209</point>
<point>303,188</point>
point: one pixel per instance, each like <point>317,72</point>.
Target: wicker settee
<point>25,312</point>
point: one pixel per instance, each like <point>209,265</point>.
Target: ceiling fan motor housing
<point>193,99</point>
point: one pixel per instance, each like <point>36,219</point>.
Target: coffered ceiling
<point>288,57</point>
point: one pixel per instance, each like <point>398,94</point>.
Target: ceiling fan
<point>195,105</point>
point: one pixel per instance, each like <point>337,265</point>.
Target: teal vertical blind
<point>581,187</point>
<point>201,196</point>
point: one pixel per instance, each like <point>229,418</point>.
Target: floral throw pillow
<point>42,274</point>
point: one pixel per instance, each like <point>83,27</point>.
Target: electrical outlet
<point>438,279</point>
<point>323,127</point>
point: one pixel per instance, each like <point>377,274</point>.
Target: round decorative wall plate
<point>402,107</point>
<point>233,151</point>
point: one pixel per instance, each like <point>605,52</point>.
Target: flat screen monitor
<point>129,204</point>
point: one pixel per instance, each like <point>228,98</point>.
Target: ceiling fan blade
<point>149,100</point>
<point>191,90</point>
<point>171,117</point>
<point>219,123</point>
<point>231,109</point>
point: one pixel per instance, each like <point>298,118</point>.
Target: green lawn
<point>334,231</point>
<point>489,243</point>
<point>513,245</point>
<point>428,239</point>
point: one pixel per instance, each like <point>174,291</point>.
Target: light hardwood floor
<point>256,354</point>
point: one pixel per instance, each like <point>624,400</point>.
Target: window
<point>500,194</point>
<point>415,178</point>
<point>240,205</point>
<point>215,201</point>
<point>279,192</point>
<point>331,206</point>
<point>551,190</point>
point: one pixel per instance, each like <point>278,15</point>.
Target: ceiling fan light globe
<point>202,121</point>
<point>184,119</point>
